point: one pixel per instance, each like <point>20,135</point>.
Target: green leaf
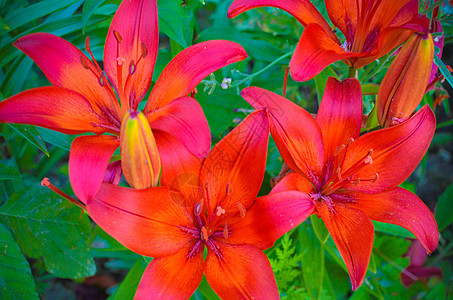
<point>16,280</point>
<point>320,228</point>
<point>25,15</point>
<point>444,215</point>
<point>370,89</point>
<point>443,69</point>
<point>321,80</point>
<point>9,171</point>
<point>392,229</point>
<point>30,133</point>
<point>204,291</point>
<point>88,9</point>
<point>171,20</point>
<point>56,138</point>
<point>129,285</point>
<point>45,225</point>
<point>312,257</point>
<point>438,292</point>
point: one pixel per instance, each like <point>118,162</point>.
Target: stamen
<point>219,211</point>
<point>229,189</point>
<point>225,231</point>
<point>84,62</point>
<point>357,182</point>
<point>144,50</point>
<point>198,207</point>
<point>241,210</point>
<point>339,174</point>
<point>46,182</point>
<point>117,36</point>
<point>120,61</point>
<point>349,141</point>
<point>338,149</point>
<point>194,250</point>
<point>375,178</point>
<point>101,81</point>
<point>132,67</point>
<point>204,234</point>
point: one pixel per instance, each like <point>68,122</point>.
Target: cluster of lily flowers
<point>185,197</point>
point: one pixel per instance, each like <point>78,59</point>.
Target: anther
<point>101,81</point>
<point>84,62</point>
<point>204,234</point>
<point>357,182</point>
<point>229,189</point>
<point>144,50</point>
<point>118,37</point>
<point>370,152</point>
<point>338,149</point>
<point>339,174</point>
<point>349,141</point>
<point>241,209</point>
<point>376,178</point>
<point>225,231</point>
<point>219,211</point>
<point>132,67</point>
<point>198,208</point>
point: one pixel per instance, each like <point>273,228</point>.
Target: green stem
<point>352,73</point>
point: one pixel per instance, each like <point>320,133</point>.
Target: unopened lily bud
<point>406,80</point>
<point>140,159</point>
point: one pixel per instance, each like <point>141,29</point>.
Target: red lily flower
<point>82,98</point>
<point>371,27</point>
<point>406,80</point>
<point>351,180</point>
<point>212,204</point>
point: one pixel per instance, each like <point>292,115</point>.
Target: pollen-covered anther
<point>376,178</point>
<point>339,174</point>
<point>338,149</point>
<point>120,61</point>
<point>144,50</point>
<point>204,234</point>
<point>225,231</point>
<point>198,207</point>
<point>349,141</point>
<point>132,67</point>
<point>368,160</point>
<point>241,209</point>
<point>219,211</point>
<point>117,36</point>
<point>101,81</point>
<point>84,62</point>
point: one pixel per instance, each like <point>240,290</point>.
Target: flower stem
<point>352,73</point>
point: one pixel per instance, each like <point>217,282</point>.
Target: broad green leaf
<point>312,257</point>
<point>444,209</point>
<point>30,133</point>
<point>25,15</point>
<point>438,292</point>
<point>129,285</point>
<point>392,229</point>
<point>88,9</point>
<point>45,225</point>
<point>16,280</point>
<point>320,228</point>
<point>171,20</point>
<point>55,138</point>
<point>370,89</point>
<point>9,171</point>
<point>443,69</point>
<point>321,80</point>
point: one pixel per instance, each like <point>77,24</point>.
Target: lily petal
<point>240,272</point>
<point>55,108</point>
<point>146,221</point>
<point>344,15</point>
<point>171,277</point>
<point>303,10</point>
<point>66,66</point>
<point>296,133</point>
<point>353,233</point>
<point>293,181</point>
<point>131,49</point>
<point>340,114</point>
<point>88,161</point>
<point>407,143</point>
<point>403,208</point>
<point>315,51</point>
<point>180,170</point>
<point>184,119</point>
<point>189,67</point>
<point>234,169</point>
<point>405,82</point>
<point>269,218</point>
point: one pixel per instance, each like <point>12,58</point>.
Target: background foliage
<point>50,249</point>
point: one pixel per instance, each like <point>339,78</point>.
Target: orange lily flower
<point>351,180</point>
<point>371,27</point>
<point>82,98</point>
<point>212,204</point>
<point>406,80</point>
